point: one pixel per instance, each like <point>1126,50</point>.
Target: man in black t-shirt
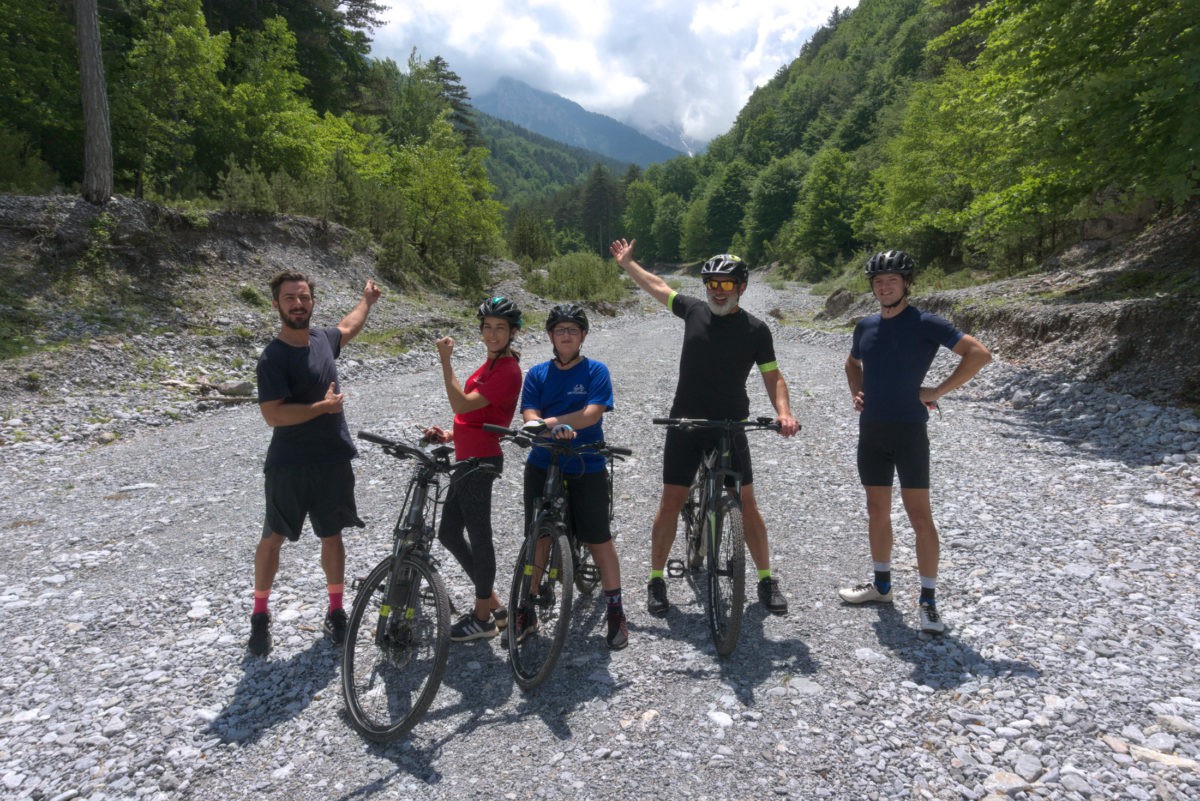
<point>721,343</point>
<point>307,469</point>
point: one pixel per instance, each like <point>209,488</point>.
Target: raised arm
<point>460,401</point>
<point>974,357</point>
<point>622,251</point>
<point>353,322</point>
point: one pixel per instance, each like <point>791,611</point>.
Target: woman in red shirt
<point>488,396</point>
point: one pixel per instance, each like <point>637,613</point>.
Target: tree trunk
<point>97,138</point>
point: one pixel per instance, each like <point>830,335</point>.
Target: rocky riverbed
<point>1068,515</point>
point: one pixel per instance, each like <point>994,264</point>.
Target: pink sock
<point>260,601</point>
<point>335,596</point>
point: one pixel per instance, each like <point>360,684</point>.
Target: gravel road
<point>1069,520</point>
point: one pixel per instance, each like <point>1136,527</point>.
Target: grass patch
<point>252,297</point>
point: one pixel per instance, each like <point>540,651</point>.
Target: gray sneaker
<point>864,593</point>
<point>931,621</point>
<point>470,628</point>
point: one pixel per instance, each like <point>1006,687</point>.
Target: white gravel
<point>1069,521</point>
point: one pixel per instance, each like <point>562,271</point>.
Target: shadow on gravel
<point>941,661</point>
<point>754,661</point>
<point>274,690</point>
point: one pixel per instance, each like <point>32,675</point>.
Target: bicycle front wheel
<point>394,658</point>
<point>539,606</point>
<point>693,529</point>
<point>725,535</point>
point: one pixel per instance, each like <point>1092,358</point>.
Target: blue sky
<point>687,65</point>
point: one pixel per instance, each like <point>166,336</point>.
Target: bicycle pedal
<point>675,568</point>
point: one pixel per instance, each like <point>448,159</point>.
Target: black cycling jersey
<point>718,352</point>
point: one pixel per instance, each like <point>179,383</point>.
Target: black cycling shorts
<point>888,449</point>
<point>587,495</point>
<point>684,450</point>
<point>324,492</point>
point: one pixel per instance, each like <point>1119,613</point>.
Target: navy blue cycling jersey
<point>896,354</point>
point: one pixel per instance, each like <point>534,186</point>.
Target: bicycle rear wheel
<point>726,573</point>
<point>587,575</point>
<point>394,658</point>
<point>542,581</point>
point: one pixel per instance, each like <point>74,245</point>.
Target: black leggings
<point>469,506</point>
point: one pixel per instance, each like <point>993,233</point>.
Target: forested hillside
<point>975,134</point>
<point>983,134</point>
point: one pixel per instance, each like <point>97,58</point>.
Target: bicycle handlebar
<point>402,450</point>
<point>524,440</point>
<point>690,422</point>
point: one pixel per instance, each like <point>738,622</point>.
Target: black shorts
<point>684,450</point>
<point>887,449</point>
<point>587,495</point>
<point>324,492</point>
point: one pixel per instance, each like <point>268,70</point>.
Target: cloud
<point>676,63</point>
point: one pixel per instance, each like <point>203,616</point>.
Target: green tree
<point>727,204</point>
<point>39,83</point>
<point>450,222</point>
<point>667,230</point>
<point>170,85</point>
<point>638,220</point>
<point>269,120</point>
<point>820,232</point>
<point>772,199</point>
<point>530,238</point>
<point>600,210</point>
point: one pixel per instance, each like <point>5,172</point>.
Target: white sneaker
<point>931,621</point>
<point>864,593</point>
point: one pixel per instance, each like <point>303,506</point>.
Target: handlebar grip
<point>664,421</point>
<point>378,440</point>
<point>621,451</point>
<point>494,429</point>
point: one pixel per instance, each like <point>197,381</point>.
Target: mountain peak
<point>566,121</point>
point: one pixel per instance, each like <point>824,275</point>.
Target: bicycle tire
<point>693,531</point>
<point>534,655</point>
<point>726,574</point>
<point>387,687</point>
<point>586,574</point>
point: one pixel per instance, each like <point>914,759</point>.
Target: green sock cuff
<point>656,574</point>
<point>762,574</point>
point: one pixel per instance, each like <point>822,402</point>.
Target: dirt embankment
<point>1126,313</point>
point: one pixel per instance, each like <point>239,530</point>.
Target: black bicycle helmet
<point>893,261</point>
<point>725,265</point>
<point>567,313</point>
<point>501,307</point>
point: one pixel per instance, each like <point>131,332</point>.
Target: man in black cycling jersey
<point>889,356</point>
<point>721,342</point>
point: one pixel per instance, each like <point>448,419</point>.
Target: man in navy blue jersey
<point>890,354</point>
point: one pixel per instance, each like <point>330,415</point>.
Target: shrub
<point>580,277</point>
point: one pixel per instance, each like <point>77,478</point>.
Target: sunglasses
<point>721,284</point>
<point>567,332</point>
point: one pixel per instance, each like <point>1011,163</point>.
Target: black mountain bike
<point>714,534</point>
<point>398,634</point>
<point>551,563</point>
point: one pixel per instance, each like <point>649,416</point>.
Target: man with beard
<point>721,342</point>
<point>307,469</point>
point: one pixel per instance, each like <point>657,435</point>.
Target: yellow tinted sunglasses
<point>721,284</point>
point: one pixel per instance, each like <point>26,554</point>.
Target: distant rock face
<point>837,303</point>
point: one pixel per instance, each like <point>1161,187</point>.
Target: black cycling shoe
<point>770,596</point>
<point>656,600</point>
<point>335,626</point>
<point>260,633</point>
